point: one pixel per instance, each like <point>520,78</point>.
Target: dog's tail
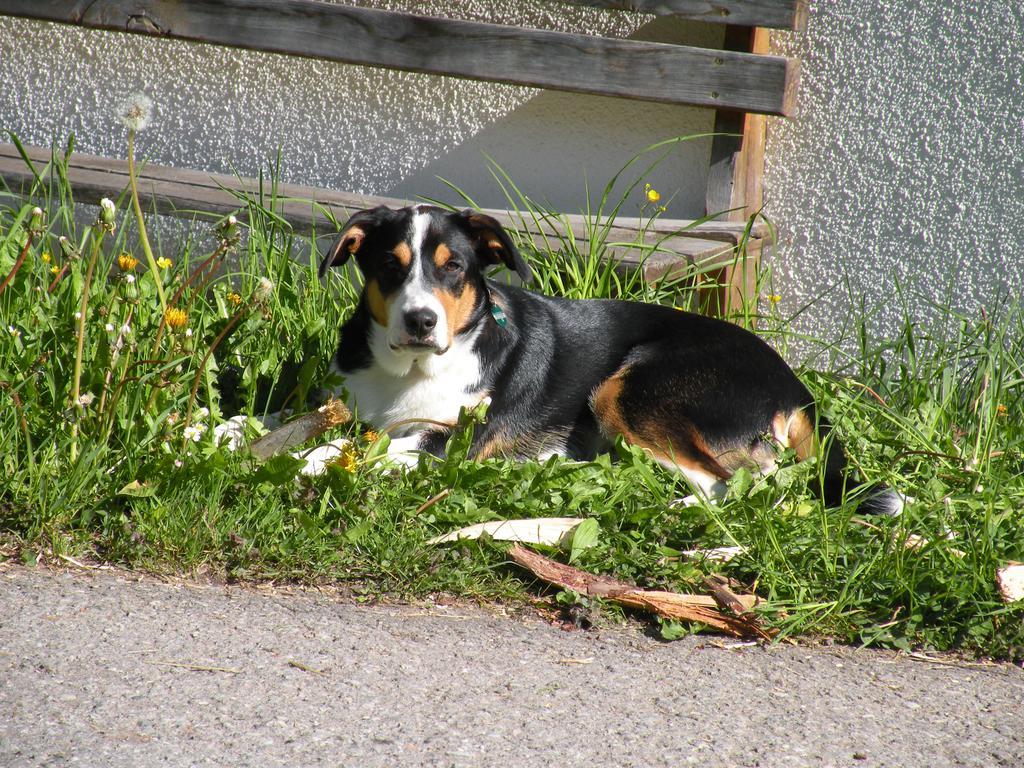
<point>875,499</point>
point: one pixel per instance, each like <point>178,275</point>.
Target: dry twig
<point>671,605</point>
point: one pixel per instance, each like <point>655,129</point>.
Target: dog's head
<point>424,270</point>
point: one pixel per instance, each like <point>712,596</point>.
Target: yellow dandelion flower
<point>1001,410</point>
<point>163,262</point>
<point>55,269</point>
<point>347,461</point>
<point>235,298</point>
<point>126,262</point>
<point>775,298</point>
<point>371,436</point>
<point>46,256</point>
<point>175,318</point>
<point>653,195</point>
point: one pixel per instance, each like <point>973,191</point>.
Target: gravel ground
<point>105,668</point>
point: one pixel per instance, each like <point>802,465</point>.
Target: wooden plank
<point>727,144</point>
<point>557,60</point>
<point>735,181</point>
<point>779,14</point>
<point>183,192</point>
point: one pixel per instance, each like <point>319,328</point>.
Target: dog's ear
<point>352,237</point>
<point>493,245</point>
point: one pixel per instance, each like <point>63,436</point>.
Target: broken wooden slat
<point>306,427</point>
<point>780,14</point>
<point>631,69</point>
<point>182,192</point>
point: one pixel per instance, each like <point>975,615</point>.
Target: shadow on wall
<point>594,136</point>
<point>556,144</point>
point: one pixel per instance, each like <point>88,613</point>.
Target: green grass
<point>933,412</point>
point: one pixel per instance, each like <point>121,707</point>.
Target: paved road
<point>102,668</point>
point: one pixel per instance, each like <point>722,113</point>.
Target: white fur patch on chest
<point>397,387</point>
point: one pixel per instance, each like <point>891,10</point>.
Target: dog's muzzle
<point>417,333</point>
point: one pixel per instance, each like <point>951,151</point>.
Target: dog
<point>432,335</point>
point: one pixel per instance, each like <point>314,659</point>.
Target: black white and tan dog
<point>432,334</point>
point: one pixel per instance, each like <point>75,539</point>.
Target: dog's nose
<point>420,322</point>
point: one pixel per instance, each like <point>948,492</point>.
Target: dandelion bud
<point>229,229</point>
<point>36,222</point>
<point>108,214</point>
<point>129,289</point>
<point>67,248</point>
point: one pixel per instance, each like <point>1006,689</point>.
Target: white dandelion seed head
<point>78,315</point>
<point>232,220</point>
<point>188,333</point>
<point>107,205</point>
<point>129,278</point>
<point>109,328</point>
<point>136,111</point>
<point>264,289</point>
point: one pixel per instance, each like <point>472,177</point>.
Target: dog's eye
<point>452,266</point>
<point>392,264</point>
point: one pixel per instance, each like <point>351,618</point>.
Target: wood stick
<point>671,605</point>
<point>300,430</point>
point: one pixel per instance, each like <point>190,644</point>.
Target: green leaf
<point>673,630</point>
<point>584,537</point>
<point>740,482</point>
<point>137,489</point>
<point>358,532</point>
<point>279,470</point>
<point>309,525</point>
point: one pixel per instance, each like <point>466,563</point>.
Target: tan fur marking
<point>441,255</point>
<point>403,253</point>
<point>457,309</point>
<point>353,238</point>
<point>496,446</point>
<point>376,302</point>
<point>605,403</point>
<point>651,436</point>
<point>801,436</point>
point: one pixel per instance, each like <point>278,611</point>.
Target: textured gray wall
<point>905,164</point>
<point>349,127</point>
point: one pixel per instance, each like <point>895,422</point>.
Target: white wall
<point>905,163</point>
<point>349,127</point>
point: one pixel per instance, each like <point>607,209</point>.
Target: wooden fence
<point>741,81</point>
